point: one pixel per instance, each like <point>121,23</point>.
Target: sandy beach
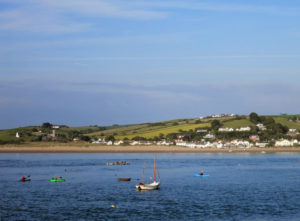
<point>134,149</point>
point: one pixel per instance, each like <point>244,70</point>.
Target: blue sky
<point>87,62</point>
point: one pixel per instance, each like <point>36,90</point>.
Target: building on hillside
<point>261,126</point>
<point>109,143</point>
<point>164,142</point>
<point>209,136</point>
<point>225,129</point>
<point>75,139</point>
<point>293,131</point>
<point>243,129</point>
<point>201,131</point>
<point>53,133</point>
<point>118,142</point>
<point>254,138</point>
<point>283,143</point>
<point>261,144</point>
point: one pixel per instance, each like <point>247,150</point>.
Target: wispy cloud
<point>222,7</point>
<point>62,16</point>
<point>139,103</point>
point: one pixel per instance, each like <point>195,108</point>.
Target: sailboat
<point>149,186</point>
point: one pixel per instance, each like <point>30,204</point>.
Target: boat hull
<point>124,179</point>
<point>199,175</point>
<point>58,180</point>
<point>27,180</point>
<point>150,186</point>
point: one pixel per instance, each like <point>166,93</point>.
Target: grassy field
<point>165,130</point>
<point>285,121</point>
<point>151,130</point>
<point>238,123</point>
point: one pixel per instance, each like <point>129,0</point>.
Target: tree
<point>254,118</point>
<point>85,138</point>
<point>46,125</point>
<point>110,138</point>
<point>267,120</point>
<point>215,124</point>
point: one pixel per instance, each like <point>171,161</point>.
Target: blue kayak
<point>198,175</point>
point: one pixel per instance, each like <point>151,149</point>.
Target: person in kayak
<point>201,173</point>
<point>57,178</point>
<point>23,178</point>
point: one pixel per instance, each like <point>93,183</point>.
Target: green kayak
<point>58,180</point>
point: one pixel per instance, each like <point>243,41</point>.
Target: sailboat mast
<point>143,173</point>
<point>154,167</point>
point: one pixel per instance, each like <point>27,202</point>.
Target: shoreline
<point>137,149</point>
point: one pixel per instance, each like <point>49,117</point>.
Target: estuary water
<point>239,187</point>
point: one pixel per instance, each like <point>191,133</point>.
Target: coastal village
<point>290,138</point>
<point>210,141</point>
<point>212,131</point>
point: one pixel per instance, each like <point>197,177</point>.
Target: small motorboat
<point>124,179</point>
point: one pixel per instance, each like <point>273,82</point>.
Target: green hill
<point>150,130</point>
<point>146,130</point>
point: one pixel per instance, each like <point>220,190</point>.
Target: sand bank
<point>134,149</point>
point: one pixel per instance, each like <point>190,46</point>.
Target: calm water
<point>239,187</point>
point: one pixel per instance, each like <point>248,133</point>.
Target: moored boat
<point>149,186</point>
<point>115,163</point>
<point>124,179</point>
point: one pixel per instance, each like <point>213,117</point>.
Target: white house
<point>293,131</point>
<point>243,129</point>
<point>134,143</point>
<point>118,142</point>
<point>241,143</point>
<point>225,129</point>
<point>109,143</point>
<point>210,136</point>
<point>261,127</point>
<point>261,144</point>
<point>283,143</point>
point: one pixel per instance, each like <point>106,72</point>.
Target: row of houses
<point>241,129</point>
<point>204,144</point>
<point>227,129</point>
<point>132,142</point>
<point>237,144</point>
